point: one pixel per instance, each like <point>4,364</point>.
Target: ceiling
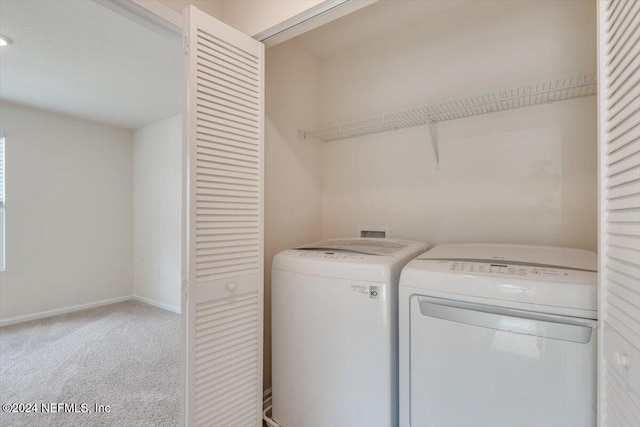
<point>81,59</point>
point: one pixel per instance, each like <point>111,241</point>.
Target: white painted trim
<point>74,308</point>
<point>158,304</point>
<point>59,311</point>
<point>148,13</point>
<point>601,115</point>
<point>161,10</point>
<point>311,18</point>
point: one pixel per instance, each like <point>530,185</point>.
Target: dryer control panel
<point>505,269</point>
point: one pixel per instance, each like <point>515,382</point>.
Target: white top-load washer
<point>334,332</point>
<point>498,335</point>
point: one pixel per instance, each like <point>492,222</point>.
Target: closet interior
<point>437,121</point>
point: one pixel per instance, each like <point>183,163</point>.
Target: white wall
<point>253,17</point>
<point>68,212</point>
<point>458,52</point>
<point>157,212</point>
<point>525,176</point>
<point>249,16</point>
<point>293,197</point>
<point>212,7</point>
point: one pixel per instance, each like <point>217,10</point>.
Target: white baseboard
<point>58,311</point>
<point>168,307</point>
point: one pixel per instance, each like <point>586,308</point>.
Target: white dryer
<point>498,335</point>
<point>334,332</point>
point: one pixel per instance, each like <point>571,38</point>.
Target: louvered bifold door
<point>619,146</point>
<point>223,264</point>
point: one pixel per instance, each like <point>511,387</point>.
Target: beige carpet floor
<point>125,355</point>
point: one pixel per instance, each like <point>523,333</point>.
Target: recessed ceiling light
<point>4,40</point>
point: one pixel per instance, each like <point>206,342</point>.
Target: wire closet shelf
<point>541,92</point>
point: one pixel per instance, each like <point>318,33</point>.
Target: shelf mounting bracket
<point>433,138</point>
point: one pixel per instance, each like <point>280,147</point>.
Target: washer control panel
<point>331,255</point>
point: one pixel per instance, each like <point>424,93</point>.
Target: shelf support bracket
<point>434,141</point>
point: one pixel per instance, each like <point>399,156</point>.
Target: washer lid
<point>538,278</point>
<point>365,259</point>
<point>359,246</point>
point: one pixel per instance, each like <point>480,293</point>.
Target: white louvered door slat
<point>224,221</point>
<point>619,146</point>
<point>1,172</point>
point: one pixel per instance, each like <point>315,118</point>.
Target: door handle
<point>509,320</point>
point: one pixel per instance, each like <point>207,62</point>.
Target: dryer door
<point>478,365</point>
